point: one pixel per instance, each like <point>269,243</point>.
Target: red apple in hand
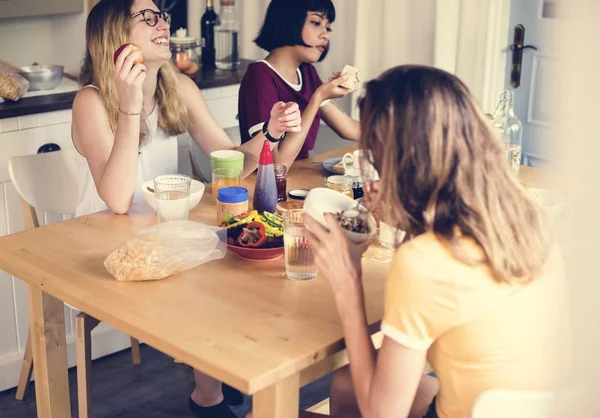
<point>139,60</point>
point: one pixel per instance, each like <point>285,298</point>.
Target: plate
<point>256,254</point>
<point>328,165</point>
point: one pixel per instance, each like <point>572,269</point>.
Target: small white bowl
<point>552,202</point>
<point>196,193</point>
<point>321,200</point>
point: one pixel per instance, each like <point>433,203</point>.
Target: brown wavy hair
<point>107,28</point>
<point>444,170</point>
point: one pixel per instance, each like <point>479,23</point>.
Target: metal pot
<point>42,77</point>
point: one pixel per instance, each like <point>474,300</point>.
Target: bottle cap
<point>232,194</point>
<point>298,194</point>
<point>266,157</point>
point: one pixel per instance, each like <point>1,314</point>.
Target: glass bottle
<point>207,24</point>
<point>227,32</point>
<point>506,120</point>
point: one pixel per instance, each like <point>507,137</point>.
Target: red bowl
<point>256,253</point>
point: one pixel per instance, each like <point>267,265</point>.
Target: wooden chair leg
<point>135,351</point>
<point>84,326</point>
<point>26,370</point>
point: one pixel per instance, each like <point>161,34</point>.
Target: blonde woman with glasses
<point>126,120</point>
<point>477,292</point>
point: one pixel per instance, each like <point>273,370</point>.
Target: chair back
<point>46,183</point>
<point>502,403</point>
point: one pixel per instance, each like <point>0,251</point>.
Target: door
<point>534,103</point>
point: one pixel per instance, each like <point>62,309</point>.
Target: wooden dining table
<point>242,322</point>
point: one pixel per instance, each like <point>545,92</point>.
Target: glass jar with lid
<point>340,184</point>
<point>184,52</point>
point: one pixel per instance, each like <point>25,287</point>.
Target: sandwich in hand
<point>353,80</point>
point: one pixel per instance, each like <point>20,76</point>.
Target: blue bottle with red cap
<point>265,192</point>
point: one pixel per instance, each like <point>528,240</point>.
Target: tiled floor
<point>158,388</point>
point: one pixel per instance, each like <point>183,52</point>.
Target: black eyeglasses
<point>151,16</point>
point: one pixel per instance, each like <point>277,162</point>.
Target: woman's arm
<point>112,156</point>
<point>386,386</point>
<point>340,122</point>
<point>288,150</point>
<point>206,132</point>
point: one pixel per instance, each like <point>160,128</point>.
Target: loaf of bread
<point>12,85</point>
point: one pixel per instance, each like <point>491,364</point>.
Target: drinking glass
<point>224,177</point>
<point>172,194</point>
<point>281,181</point>
<point>299,258</point>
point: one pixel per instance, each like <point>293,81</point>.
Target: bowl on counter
<point>42,77</point>
<point>322,200</point>
<point>196,193</point>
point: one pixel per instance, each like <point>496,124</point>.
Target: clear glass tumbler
<point>299,258</point>
<point>224,177</point>
<point>172,193</point>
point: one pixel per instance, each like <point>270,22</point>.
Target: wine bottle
<point>208,22</point>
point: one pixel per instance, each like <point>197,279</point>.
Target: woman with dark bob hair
<point>296,35</point>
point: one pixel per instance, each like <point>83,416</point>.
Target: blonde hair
<point>443,170</point>
<point>107,29</point>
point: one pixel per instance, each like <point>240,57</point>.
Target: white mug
<point>357,161</point>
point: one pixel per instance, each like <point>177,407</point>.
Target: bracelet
<point>268,135</point>
<point>130,113</point>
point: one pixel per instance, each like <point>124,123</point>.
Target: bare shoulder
<point>187,87</point>
<point>88,100</point>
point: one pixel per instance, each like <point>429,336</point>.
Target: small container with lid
<point>231,201</point>
<point>340,184</point>
<point>184,52</point>
<point>283,207</point>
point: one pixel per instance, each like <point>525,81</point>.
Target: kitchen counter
<point>53,102</point>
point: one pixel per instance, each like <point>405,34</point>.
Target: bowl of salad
<point>255,236</point>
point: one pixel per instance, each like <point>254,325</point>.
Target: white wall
<point>371,35</point>
<point>58,40</point>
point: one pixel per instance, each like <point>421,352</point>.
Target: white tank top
<point>158,156</point>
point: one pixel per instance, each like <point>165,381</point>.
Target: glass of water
<point>172,193</point>
<point>299,258</point>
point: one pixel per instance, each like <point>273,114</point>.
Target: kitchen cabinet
<point>30,8</point>
<point>24,135</point>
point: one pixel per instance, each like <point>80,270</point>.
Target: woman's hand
<point>332,89</point>
<point>129,77</point>
<point>285,117</point>
<point>371,189</point>
<point>337,258</point>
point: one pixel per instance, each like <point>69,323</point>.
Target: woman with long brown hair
<point>126,120</point>
<point>477,289</point>
<point>127,116</point>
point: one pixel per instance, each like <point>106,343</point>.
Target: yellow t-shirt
<point>480,334</point>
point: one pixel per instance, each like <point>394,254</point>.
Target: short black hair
<point>285,19</point>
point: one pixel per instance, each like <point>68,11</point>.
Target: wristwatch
<point>268,135</point>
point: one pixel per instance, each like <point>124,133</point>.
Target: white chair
<point>48,183</point>
<point>502,403</point>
